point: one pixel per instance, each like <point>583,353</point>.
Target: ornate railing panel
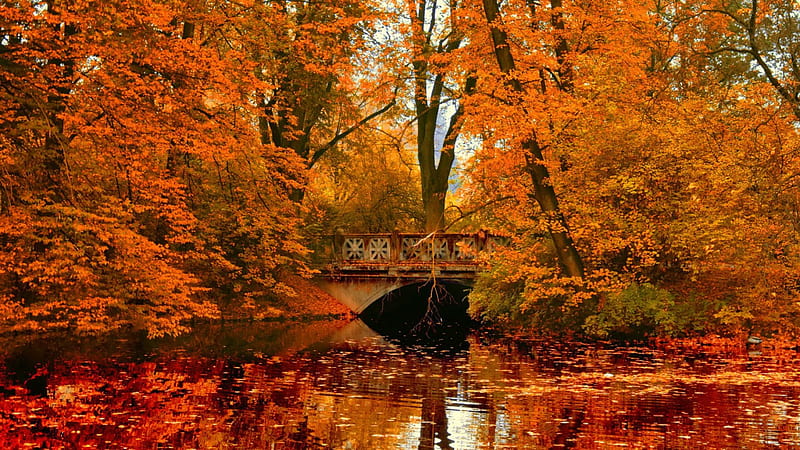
<point>379,249</point>
<point>411,247</point>
<point>354,249</point>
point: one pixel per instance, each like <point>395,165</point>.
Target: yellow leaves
<point>627,185</point>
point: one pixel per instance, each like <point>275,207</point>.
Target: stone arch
<point>359,293</point>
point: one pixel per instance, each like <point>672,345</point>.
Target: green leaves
<point>637,311</point>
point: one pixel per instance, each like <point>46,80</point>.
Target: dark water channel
<point>341,385</point>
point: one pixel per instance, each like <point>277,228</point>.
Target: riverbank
<point>299,299</point>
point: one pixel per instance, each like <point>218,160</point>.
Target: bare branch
<point>463,215</point>
<point>321,151</point>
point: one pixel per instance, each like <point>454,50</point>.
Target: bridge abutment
<point>358,293</point>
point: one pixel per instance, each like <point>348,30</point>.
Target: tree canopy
<point>157,155</point>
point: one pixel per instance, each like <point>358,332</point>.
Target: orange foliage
<point>664,174</point>
<point>135,173</point>
<point>156,149</point>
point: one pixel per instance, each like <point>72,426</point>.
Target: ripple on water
<point>290,387</point>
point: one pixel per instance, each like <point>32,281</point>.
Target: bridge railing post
<point>338,244</point>
<point>396,246</point>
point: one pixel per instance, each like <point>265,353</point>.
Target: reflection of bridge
<point>366,267</point>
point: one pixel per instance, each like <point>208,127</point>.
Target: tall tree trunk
<point>429,87</point>
<point>433,203</point>
<point>433,177</point>
<point>568,256</point>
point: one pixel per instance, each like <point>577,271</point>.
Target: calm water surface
<point>339,385</point>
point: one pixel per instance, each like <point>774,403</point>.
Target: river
<point>335,384</point>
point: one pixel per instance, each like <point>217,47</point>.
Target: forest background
<point>163,159</point>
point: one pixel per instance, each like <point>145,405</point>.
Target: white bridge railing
<point>398,247</point>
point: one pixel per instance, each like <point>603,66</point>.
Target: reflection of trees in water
<point>433,427</point>
<point>378,395</point>
<point>303,437</point>
<point>569,427</point>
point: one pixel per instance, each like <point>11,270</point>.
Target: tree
<point>762,33</point>
<point>306,57</point>
<point>133,175</point>
<point>543,191</point>
<point>671,179</point>
<point>437,87</point>
<point>367,185</point>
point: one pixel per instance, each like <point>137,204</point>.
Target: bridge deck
<point>424,270</point>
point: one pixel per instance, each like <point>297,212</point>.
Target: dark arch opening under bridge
<point>421,309</point>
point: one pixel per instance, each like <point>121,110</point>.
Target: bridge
<point>366,267</point>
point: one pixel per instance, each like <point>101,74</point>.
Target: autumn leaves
<point>156,152</point>
<point>653,135</point>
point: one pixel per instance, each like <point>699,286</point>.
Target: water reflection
<point>340,385</point>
